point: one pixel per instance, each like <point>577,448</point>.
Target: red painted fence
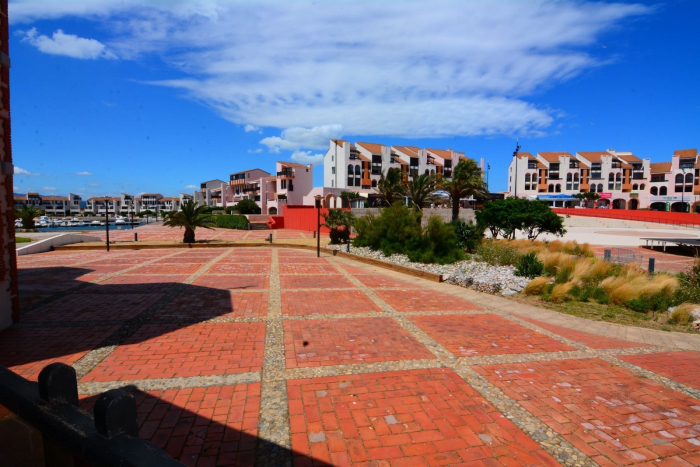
<point>658,217</point>
<point>303,218</point>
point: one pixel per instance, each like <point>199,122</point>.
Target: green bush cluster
<point>497,254</point>
<point>231,222</point>
<point>504,217</point>
<point>245,206</point>
<point>469,234</point>
<point>398,230</point>
<point>529,266</point>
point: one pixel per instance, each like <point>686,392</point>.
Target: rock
<point>696,325</point>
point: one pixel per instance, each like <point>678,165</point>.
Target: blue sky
<point>158,96</point>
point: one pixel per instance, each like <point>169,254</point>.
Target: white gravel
<point>497,280</point>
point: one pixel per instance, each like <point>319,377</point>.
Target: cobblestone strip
<point>171,383</point>
<point>274,434</point>
<point>93,358</point>
<point>563,451</point>
<point>83,285</point>
<point>361,368</point>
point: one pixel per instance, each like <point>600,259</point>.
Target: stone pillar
<point>224,194</point>
<point>9,297</point>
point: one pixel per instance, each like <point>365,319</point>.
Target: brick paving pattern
<point>606,411</point>
<point>683,367</point>
<point>269,357</point>
<point>472,335</point>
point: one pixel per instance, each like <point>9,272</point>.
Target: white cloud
<point>49,188</point>
<point>69,45</point>
<point>412,69</point>
<point>191,187</point>
<point>83,173</point>
<point>93,184</point>
<point>254,151</point>
<point>296,138</point>
<point>249,128</point>
<point>305,157</point>
<point>21,171</point>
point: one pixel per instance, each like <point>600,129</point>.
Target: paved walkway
<point>271,357</point>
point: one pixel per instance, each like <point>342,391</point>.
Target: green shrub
<point>22,240</point>
<point>529,266</point>
<point>562,276</point>
<point>655,302</point>
<point>246,206</point>
<point>497,254</point>
<point>469,234</point>
<point>600,295</point>
<point>681,316</point>
<point>231,209</point>
<point>397,230</point>
<point>231,222</point>
<point>339,222</point>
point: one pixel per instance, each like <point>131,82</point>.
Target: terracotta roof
<point>271,178</point>
<point>408,150</point>
<point>21,197</point>
<point>660,167</point>
<point>170,199</point>
<point>54,198</point>
<point>697,164</point>
<point>630,158</point>
<point>685,153</point>
<point>437,162</point>
<point>33,193</point>
<point>371,147</point>
<point>442,153</point>
<point>593,156</point>
<point>626,166</point>
<point>292,164</point>
<point>525,154</point>
<point>339,142</point>
<point>552,156</point>
<point>540,165</point>
<point>583,164</point>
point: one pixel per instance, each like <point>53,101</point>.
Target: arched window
<point>550,188</point>
<point>688,178</point>
<point>663,191</point>
<point>679,178</point>
<point>534,178</point>
<point>358,175</point>
<point>600,188</point>
<point>527,178</point>
<point>642,187</point>
<point>351,175</point>
<point>635,187</point>
<point>568,177</point>
<point>593,188</point>
<point>654,191</point>
<point>568,181</point>
<point>558,190</point>
<point>374,184</point>
<point>427,172</point>
<point>576,178</point>
<point>618,177</point>
<point>611,181</point>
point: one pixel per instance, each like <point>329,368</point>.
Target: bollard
<point>115,413</point>
<point>270,240</point>
<point>607,255</point>
<point>314,234</point>
<point>136,236</point>
<point>58,381</point>
<point>348,250</point>
<point>651,265</point>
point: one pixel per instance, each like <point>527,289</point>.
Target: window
<point>642,187</point>
<point>374,183</point>
<point>550,188</point>
<point>679,179</point>
<point>351,175</point>
<point>569,180</point>
<point>333,170</point>
<point>534,179</point>
<point>654,191</point>
<point>611,181</point>
<point>663,191</point>
<point>635,187</point>
<point>600,188</point>
<point>658,178</point>
<point>558,187</point>
<point>689,178</point>
<point>358,175</point>
<point>284,184</point>
<point>247,175</point>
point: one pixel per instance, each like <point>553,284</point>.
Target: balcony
<point>376,171</point>
<point>554,176</point>
<point>637,175</point>
<point>626,187</point>
<point>286,173</point>
<point>250,189</point>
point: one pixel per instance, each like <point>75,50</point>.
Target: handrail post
<point>58,383</point>
<point>115,413</point>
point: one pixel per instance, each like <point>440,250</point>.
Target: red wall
<point>276,222</point>
<point>304,217</point>
<point>661,217</point>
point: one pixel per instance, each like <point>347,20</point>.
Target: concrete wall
<point>9,297</point>
<point>46,245</point>
<point>444,214</point>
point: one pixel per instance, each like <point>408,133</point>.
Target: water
<point>85,227</point>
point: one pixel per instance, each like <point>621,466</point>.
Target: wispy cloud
<point>249,128</point>
<point>93,184</point>
<point>21,171</point>
<point>254,151</point>
<point>84,173</point>
<point>410,69</point>
<point>69,45</point>
<point>190,187</point>
<point>296,138</point>
<point>49,188</point>
<point>305,157</point>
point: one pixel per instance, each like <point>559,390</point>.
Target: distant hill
<point>19,194</point>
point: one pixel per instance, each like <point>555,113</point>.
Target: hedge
<point>231,222</point>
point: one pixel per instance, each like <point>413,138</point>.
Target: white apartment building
<point>74,203</point>
<point>250,184</point>
<point>291,183</point>
<point>213,193</point>
<point>622,180</point>
<point>55,206</point>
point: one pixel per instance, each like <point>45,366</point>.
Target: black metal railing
<point>51,407</point>
<point>285,173</point>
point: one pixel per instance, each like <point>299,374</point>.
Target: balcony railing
<point>286,173</point>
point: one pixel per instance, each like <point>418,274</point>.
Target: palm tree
<point>420,189</point>
<point>339,223</point>
<point>190,217</point>
<point>467,180</point>
<point>27,214</point>
<point>390,187</point>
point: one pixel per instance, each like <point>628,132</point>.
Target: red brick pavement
<point>239,268</point>
<point>307,268</point>
<point>26,351</point>
<point>606,411</point>
<point>322,302</point>
<point>169,350</point>
<point>181,268</point>
<point>402,418</point>
<point>591,340</point>
<point>233,282</point>
<point>316,281</point>
<point>142,284</point>
<point>92,307</point>
<point>209,304</point>
<point>200,426</point>
<point>472,335</point>
<point>375,281</point>
<point>321,342</point>
<point>424,300</point>
<point>684,367</point>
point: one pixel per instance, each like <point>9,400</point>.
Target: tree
<point>467,180</point>
<point>349,196</point>
<point>420,189</point>
<point>532,217</point>
<point>339,222</point>
<point>190,217</point>
<point>390,187</point>
<point>247,206</point>
<point>27,214</point>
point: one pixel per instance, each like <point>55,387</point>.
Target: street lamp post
<point>318,199</point>
<point>107,221</point>
<point>488,167</point>
<point>132,215</point>
<point>515,156</point>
